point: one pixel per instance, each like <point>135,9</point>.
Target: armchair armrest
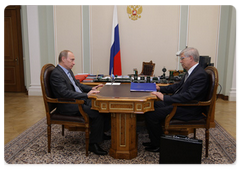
<point>64,100</point>
<point>191,103</point>
<point>69,101</point>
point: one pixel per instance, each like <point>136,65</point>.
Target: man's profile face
<point>68,61</point>
<point>186,61</point>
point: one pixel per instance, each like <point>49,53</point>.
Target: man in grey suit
<point>193,86</point>
<point>64,85</point>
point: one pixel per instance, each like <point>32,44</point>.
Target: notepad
<point>148,87</point>
<point>114,84</point>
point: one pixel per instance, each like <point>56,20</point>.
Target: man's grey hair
<point>190,51</point>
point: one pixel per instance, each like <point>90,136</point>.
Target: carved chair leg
<point>166,132</point>
<point>195,134</point>
<point>207,141</point>
<point>87,140</point>
<point>62,130</point>
<point>49,137</point>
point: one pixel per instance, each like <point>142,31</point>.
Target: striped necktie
<point>186,76</point>
<point>73,82</point>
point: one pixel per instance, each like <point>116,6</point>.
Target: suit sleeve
<point>170,88</point>
<point>192,90</point>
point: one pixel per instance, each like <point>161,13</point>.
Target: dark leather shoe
<point>146,143</point>
<point>106,137</point>
<point>152,148</point>
<point>95,148</point>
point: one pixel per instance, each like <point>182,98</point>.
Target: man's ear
<point>191,57</point>
<point>64,58</point>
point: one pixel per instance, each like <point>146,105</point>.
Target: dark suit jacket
<point>62,87</point>
<point>195,88</point>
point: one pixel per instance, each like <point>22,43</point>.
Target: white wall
<point>68,32</point>
<point>203,30</point>
<point>154,36</point>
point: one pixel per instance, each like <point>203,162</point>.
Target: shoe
<point>95,148</point>
<point>146,143</point>
<point>152,148</point>
<point>106,137</point>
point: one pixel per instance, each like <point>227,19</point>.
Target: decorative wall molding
<point>232,94</point>
<point>34,50</point>
<point>233,90</point>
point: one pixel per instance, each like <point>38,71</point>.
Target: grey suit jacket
<point>62,87</point>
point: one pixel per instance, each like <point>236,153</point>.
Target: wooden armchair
<point>209,104</point>
<point>53,117</point>
<point>147,68</point>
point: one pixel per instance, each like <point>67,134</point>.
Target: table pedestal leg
<point>124,138</point>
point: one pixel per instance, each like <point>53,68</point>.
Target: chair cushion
<point>60,117</point>
<point>190,122</point>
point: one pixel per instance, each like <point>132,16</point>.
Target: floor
<point>22,111</point>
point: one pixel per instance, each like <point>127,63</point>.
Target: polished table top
<point>122,91</point>
<point>119,99</point>
<point>97,83</point>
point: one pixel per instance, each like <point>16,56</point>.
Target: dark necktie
<point>73,82</point>
<point>180,88</point>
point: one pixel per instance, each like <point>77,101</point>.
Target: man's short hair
<point>62,54</point>
<point>190,51</point>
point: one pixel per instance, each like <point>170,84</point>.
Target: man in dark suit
<point>193,86</point>
<point>64,85</point>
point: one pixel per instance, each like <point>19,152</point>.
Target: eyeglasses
<point>181,58</point>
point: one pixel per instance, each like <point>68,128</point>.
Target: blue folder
<point>143,87</point>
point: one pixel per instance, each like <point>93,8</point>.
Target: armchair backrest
<point>148,68</point>
<point>212,91</point>
<point>213,82</point>
<point>46,87</point>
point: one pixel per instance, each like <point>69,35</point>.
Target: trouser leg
<point>153,121</point>
<point>97,129</point>
<point>96,124</point>
<point>107,121</point>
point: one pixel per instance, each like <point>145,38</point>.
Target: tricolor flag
<point>115,57</point>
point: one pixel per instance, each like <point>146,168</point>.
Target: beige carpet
<point>31,148</point>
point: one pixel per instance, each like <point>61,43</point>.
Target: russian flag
<point>115,56</point>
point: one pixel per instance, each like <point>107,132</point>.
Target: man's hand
<point>96,87</point>
<point>159,95</point>
<point>93,92</point>
<point>157,87</point>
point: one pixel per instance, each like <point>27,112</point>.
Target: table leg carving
<point>124,137</point>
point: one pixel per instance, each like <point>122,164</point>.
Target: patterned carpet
<point>31,148</point>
